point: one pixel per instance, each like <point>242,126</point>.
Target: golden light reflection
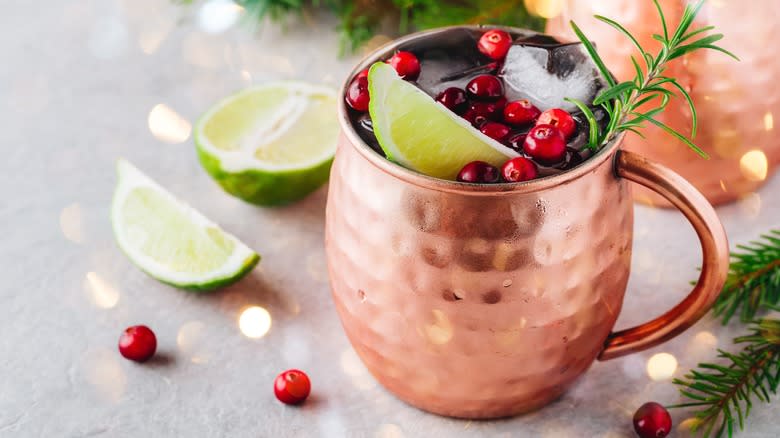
<point>104,372</point>
<point>544,8</point>
<point>754,165</point>
<point>769,121</point>
<point>101,293</point>
<point>190,339</point>
<point>750,204</point>
<point>661,366</point>
<point>440,332</point>
<point>686,425</point>
<point>254,322</point>
<point>389,430</point>
<point>71,223</point>
<point>167,125</point>
<point>706,339</point>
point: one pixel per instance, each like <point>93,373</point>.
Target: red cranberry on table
<point>494,44</point>
<point>652,420</point>
<point>496,131</point>
<point>137,343</point>
<point>292,387</point>
<point>478,172</point>
<point>521,112</point>
<point>545,144</point>
<point>480,112</point>
<point>560,119</point>
<point>357,94</point>
<point>406,65</point>
<point>485,87</point>
<point>519,169</point>
<point>454,99</point>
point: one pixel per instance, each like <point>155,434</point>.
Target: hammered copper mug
<point>485,301</point>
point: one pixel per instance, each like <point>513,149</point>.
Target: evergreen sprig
<point>753,283</point>
<point>723,394</point>
<point>632,104</point>
<point>359,20</point>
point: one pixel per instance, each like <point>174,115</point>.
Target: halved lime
<point>171,241</point>
<point>421,134</point>
<point>270,144</point>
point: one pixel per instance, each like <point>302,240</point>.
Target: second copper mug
<point>483,301</point>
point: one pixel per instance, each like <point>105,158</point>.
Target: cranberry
<point>357,94</point>
<point>496,131</point>
<point>292,387</point>
<point>138,343</point>
<point>652,420</point>
<point>480,112</point>
<point>478,172</point>
<point>363,73</point>
<point>520,112</point>
<point>545,144</point>
<point>485,87</point>
<point>560,119</point>
<point>454,99</point>
<point>516,141</point>
<point>406,64</point>
<point>519,169</point>
<point>494,44</point>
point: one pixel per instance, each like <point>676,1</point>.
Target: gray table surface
<point>79,84</point>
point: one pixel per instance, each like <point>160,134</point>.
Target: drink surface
<point>536,69</point>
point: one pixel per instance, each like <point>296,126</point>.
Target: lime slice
<point>271,144</point>
<point>421,134</point>
<point>169,240</point>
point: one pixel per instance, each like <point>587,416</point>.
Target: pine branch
<point>753,283</point>
<point>359,20</point>
<point>629,103</point>
<point>723,394</point>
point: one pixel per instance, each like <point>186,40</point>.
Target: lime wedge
<point>171,241</point>
<point>421,134</point>
<point>271,144</point>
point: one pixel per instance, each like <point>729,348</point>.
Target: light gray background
<point>78,81</point>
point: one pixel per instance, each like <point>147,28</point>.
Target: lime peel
<point>420,133</point>
<point>170,240</point>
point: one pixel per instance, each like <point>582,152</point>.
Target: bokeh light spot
<point>661,366</point>
<point>754,165</point>
<point>254,322</point>
<point>167,125</point>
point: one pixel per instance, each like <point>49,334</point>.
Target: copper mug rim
<point>410,176</point>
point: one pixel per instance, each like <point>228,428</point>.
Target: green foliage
<point>360,19</point>
<point>753,283</point>
<point>633,103</point>
<point>723,394</point>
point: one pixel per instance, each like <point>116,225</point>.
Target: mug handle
<point>714,245</point>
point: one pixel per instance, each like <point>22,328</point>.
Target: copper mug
<point>484,301</point>
<point>737,102</point>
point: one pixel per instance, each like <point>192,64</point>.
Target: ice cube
<point>546,74</point>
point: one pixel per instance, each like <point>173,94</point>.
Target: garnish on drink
<point>466,109</point>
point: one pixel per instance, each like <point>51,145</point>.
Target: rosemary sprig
<point>632,104</point>
<point>723,394</point>
<point>753,283</point>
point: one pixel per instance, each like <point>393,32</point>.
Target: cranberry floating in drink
<point>499,96</point>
